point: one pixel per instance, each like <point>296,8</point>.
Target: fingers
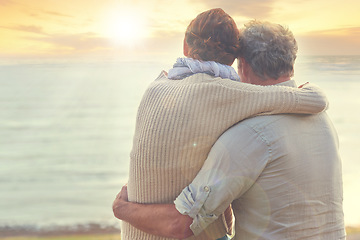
<point>118,195</point>
<point>123,190</point>
<point>301,86</point>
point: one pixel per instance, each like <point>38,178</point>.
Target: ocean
<point>66,134</point>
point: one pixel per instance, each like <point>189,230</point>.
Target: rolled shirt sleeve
<point>234,163</point>
<point>187,205</point>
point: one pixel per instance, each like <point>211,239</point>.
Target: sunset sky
<point>153,29</point>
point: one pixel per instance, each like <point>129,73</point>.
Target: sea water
<point>66,135</point>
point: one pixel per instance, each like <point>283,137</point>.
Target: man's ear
<point>243,67</point>
<point>186,49</point>
<point>244,70</point>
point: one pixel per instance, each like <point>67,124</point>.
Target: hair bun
<point>213,36</point>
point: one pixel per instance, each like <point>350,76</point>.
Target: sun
<point>126,27</point>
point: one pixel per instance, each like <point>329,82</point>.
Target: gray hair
<point>270,49</point>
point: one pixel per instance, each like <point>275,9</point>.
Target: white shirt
<point>282,174</point>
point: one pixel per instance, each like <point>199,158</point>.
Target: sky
<point>154,29</point>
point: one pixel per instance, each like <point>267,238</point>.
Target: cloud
<point>26,28</point>
<point>80,42</point>
<point>342,41</point>
<point>53,13</point>
<point>247,8</point>
<point>6,2</point>
<point>339,31</point>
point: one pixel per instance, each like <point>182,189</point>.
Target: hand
<point>120,200</point>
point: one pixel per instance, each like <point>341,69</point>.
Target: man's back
<point>298,194</point>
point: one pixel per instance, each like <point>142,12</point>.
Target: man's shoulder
<point>249,127</point>
<point>272,119</point>
<point>264,123</point>
<point>284,124</point>
<point>263,120</point>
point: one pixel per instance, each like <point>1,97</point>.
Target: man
<point>281,173</point>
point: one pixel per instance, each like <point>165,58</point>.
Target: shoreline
<point>91,231</point>
<point>68,237</point>
<point>9,232</point>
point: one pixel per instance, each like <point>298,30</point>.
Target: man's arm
<point>157,219</point>
<point>233,165</point>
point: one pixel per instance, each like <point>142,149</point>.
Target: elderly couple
<point>225,155</point>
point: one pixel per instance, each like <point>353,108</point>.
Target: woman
<point>183,113</point>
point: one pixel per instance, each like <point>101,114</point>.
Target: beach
<point>70,237</point>
<point>352,234</point>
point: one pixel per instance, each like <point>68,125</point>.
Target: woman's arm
<point>309,99</point>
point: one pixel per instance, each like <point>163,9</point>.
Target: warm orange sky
<point>148,29</point>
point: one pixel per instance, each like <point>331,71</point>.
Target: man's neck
<point>269,81</point>
<point>247,75</point>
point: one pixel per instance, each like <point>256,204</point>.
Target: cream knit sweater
<point>178,121</point>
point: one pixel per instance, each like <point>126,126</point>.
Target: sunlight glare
<point>126,27</point>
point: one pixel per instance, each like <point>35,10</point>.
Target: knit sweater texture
<point>177,123</point>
